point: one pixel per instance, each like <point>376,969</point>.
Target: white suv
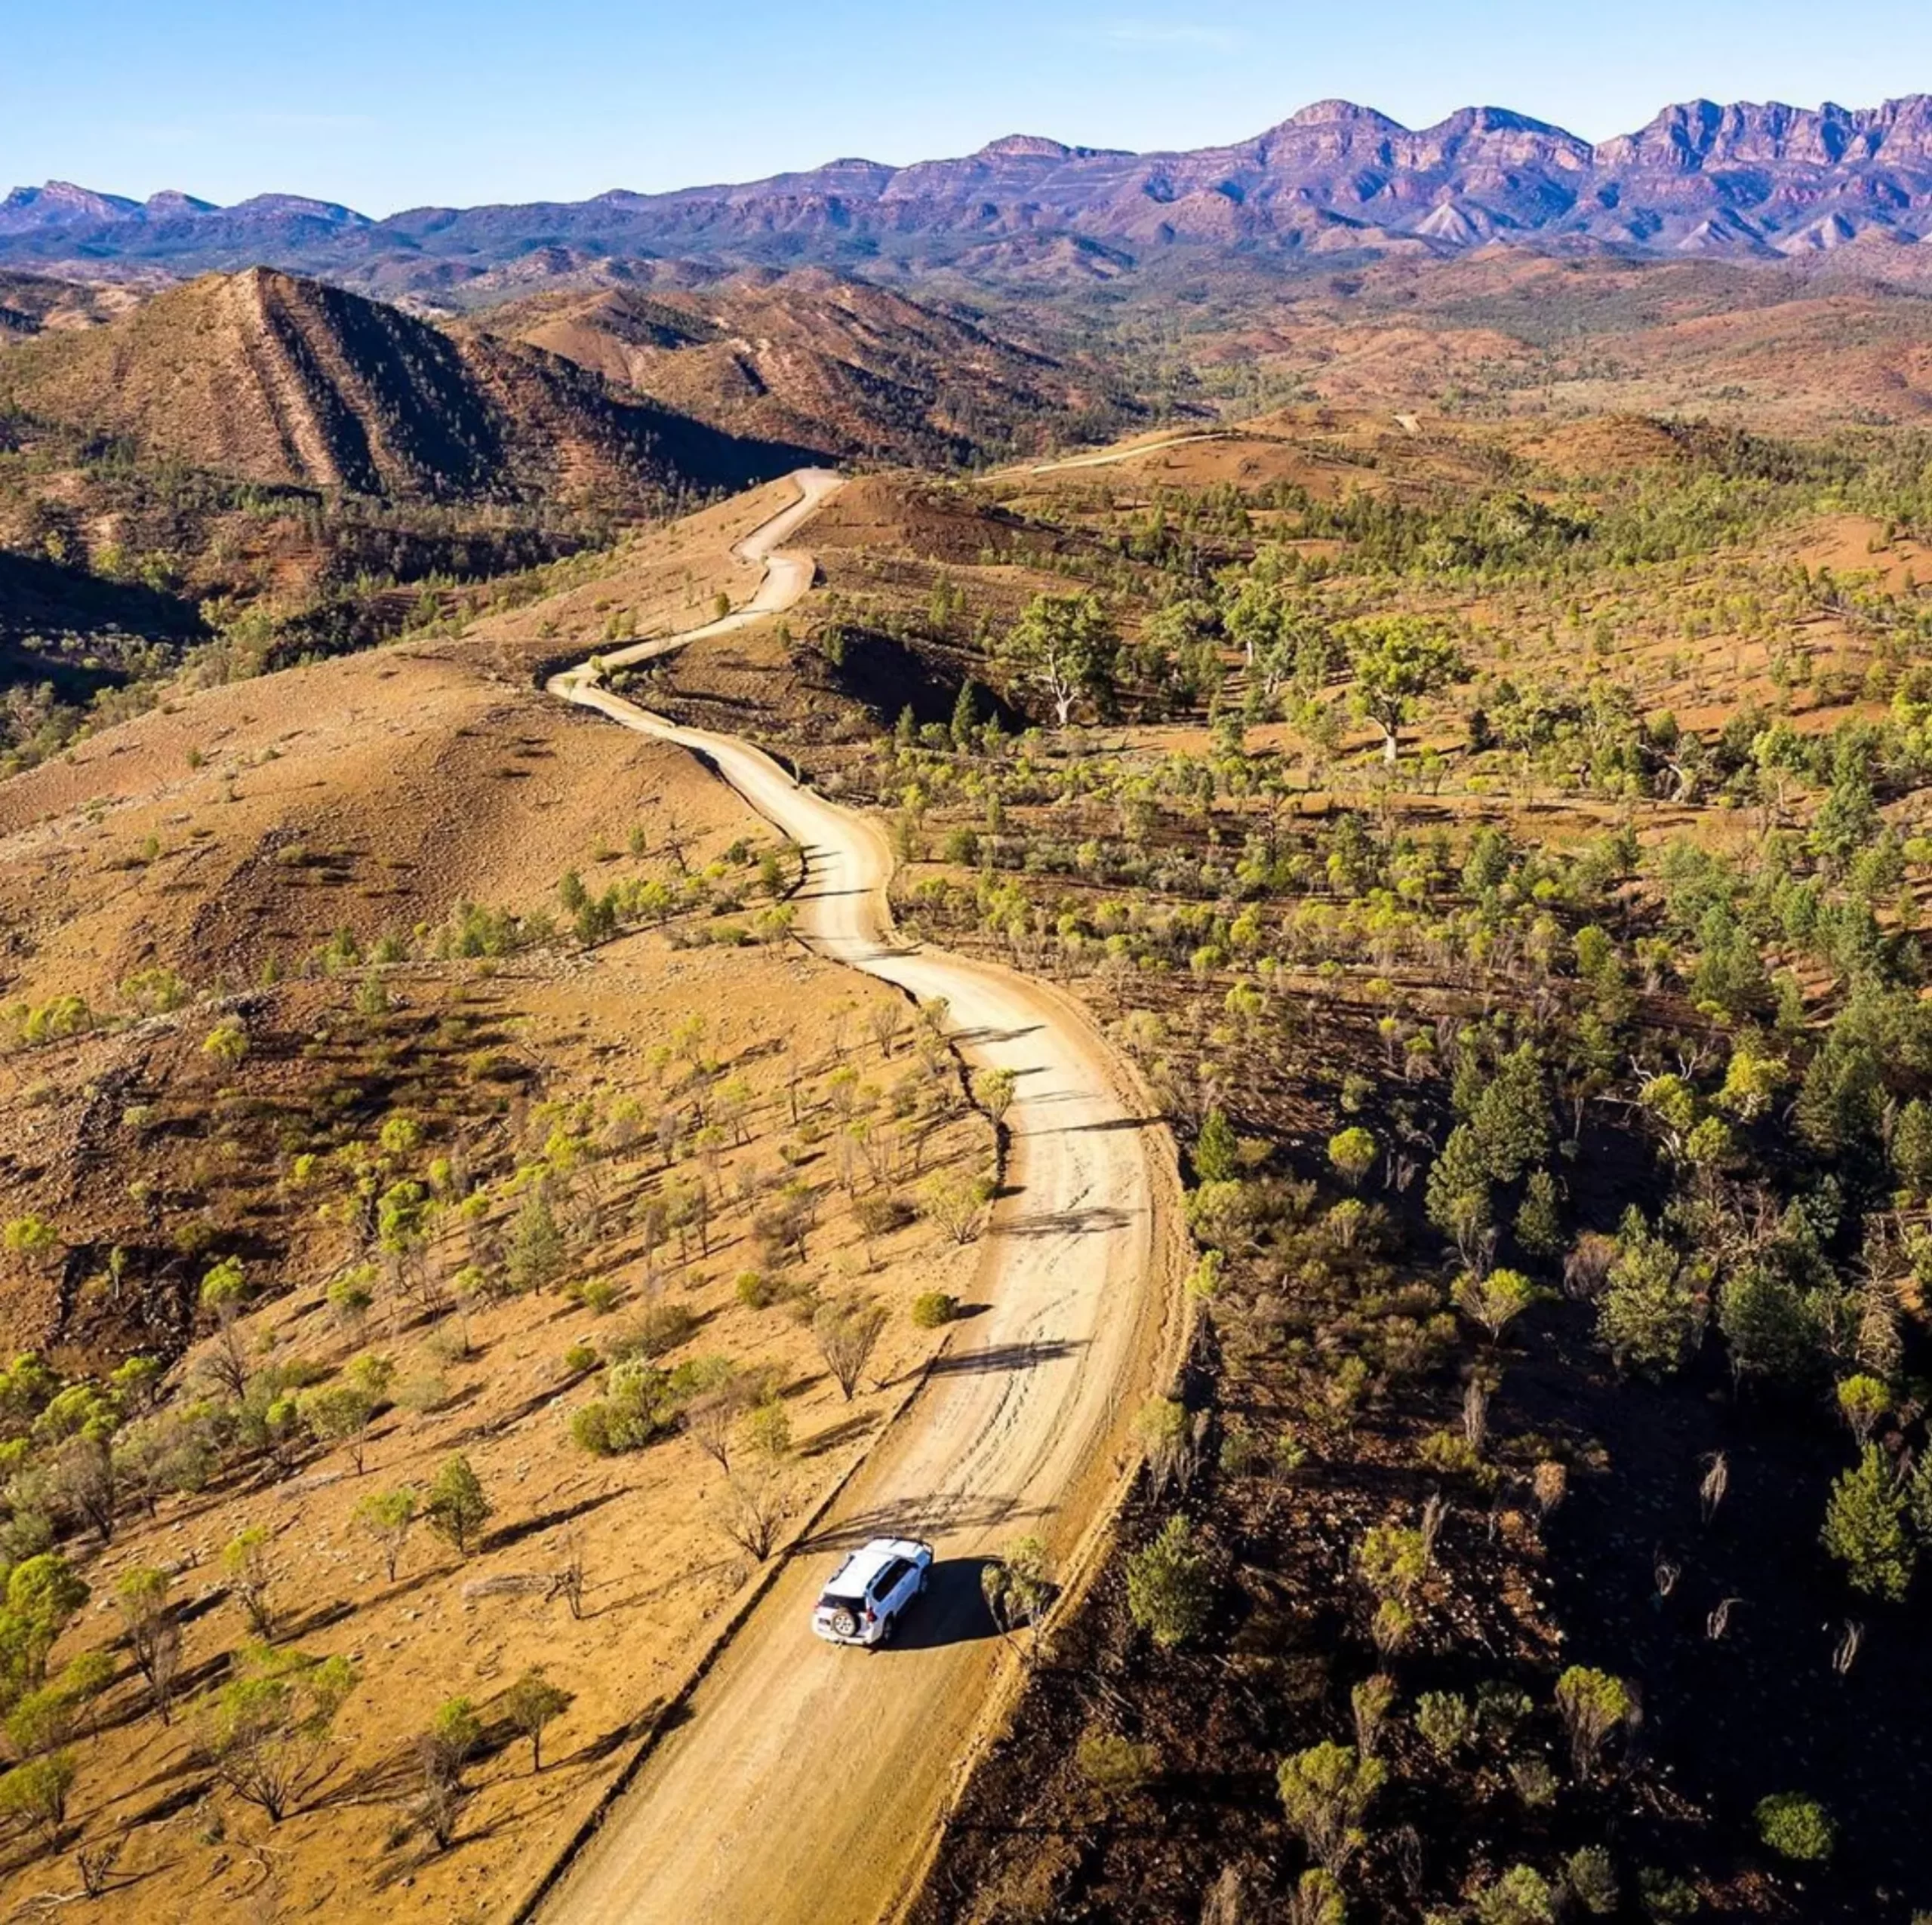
<point>863,1599</point>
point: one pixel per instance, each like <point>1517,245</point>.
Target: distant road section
<point>806,1783</point>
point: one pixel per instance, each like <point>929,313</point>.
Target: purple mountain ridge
<point>1745,181</point>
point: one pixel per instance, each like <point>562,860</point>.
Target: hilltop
<point>280,380</point>
<point>854,371</point>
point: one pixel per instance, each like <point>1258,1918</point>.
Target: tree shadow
<point>502,1538</point>
<point>1004,1356</point>
<point>849,1431</point>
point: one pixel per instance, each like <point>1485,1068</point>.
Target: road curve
<point>806,1782</point>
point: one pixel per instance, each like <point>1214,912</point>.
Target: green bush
<point>580,1357</point>
<point>756,1290</point>
<point>933,1308</point>
<point>1169,1587</point>
<point>601,1295</point>
<point>1796,1827</point>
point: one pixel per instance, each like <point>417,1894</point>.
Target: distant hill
<point>279,380</point>
<point>1333,181</point>
<point>855,370</point>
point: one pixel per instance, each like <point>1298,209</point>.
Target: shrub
<point>600,1296</point>
<point>931,1309</point>
<point>658,1327</point>
<point>1445,1720</point>
<point>1169,1586</point>
<point>1117,1766</point>
<point>1351,1155</point>
<point>756,1290</point>
<point>1593,1704</point>
<point>1796,1827</point>
<point>580,1357</point>
<point>1521,1896</point>
<point>1325,1792</point>
<point>1590,1875</point>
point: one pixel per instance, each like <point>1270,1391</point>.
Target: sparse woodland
<point>1500,844</point>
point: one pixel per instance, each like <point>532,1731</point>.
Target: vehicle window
<point>887,1580</point>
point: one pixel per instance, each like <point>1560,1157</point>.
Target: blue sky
<point>393,103</point>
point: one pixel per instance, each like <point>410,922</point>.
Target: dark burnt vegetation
<point>1557,1085</point>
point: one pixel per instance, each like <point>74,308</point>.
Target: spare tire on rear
<point>844,1624</point>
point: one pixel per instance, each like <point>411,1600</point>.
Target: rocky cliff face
<point>1745,179</point>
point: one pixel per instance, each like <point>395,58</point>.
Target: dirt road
<point>805,1783</point>
<point>1109,457</point>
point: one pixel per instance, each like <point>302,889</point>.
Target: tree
<point>339,1413</point>
<point>1521,1895</point>
<point>387,1517</point>
<point>1912,1149</point>
<point>1351,1155</point>
<point>454,1734</point>
<point>1170,1586</point>
<point>154,1637</point>
<point>537,1244</point>
<point>1457,1194</point>
<point>457,1507</point>
<point>751,1511</point>
<point>1446,1721</point>
<point>1216,1150</point>
<point>1326,1791</point>
<point>1066,646</point>
<point>44,1596</point>
<point>529,1705</point>
<point>1496,1301</point>
<point>1863,1402</point>
<point>249,1569</point>
<point>1864,1528</point>
<point>1538,1224</point>
<point>847,1334</point>
<point>965,716</point>
<point>1511,1118</point>
<point>993,1090</point>
<point>1768,1324</point>
<point>1652,1315</point>
<point>1593,1704</point>
<point>1398,659</point>
<point>36,1792</point>
<point>269,1732</point>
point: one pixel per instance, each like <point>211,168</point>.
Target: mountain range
<point>1746,181</point>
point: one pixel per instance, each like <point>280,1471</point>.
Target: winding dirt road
<point>806,1782</point>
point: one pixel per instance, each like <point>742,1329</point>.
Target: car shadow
<point>952,1610</point>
